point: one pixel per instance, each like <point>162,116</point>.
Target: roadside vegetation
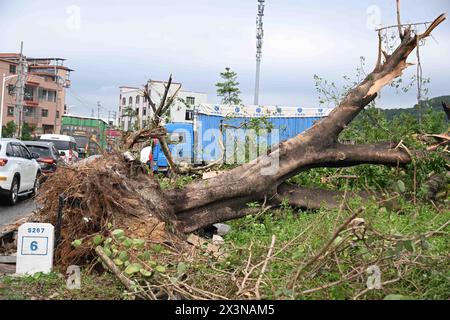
<point>288,253</point>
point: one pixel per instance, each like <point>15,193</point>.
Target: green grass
<point>427,278</point>
<point>53,286</point>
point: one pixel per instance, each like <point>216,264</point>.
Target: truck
<point>89,133</point>
<point>231,134</point>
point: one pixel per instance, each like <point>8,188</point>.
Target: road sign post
<point>35,248</point>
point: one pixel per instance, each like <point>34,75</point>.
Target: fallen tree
<point>225,196</point>
<point>114,189</point>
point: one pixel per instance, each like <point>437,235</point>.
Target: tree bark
<point>225,197</point>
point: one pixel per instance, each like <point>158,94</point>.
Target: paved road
<point>9,214</point>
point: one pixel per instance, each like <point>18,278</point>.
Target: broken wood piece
<point>8,259</point>
<point>218,240</point>
<point>7,269</point>
<point>200,243</point>
<point>211,174</point>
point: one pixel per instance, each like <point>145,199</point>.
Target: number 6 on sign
<point>33,246</point>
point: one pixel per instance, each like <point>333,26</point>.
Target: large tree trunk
<point>225,196</point>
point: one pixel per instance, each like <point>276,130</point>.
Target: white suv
<point>19,170</point>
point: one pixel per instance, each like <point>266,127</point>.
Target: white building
<point>134,112</point>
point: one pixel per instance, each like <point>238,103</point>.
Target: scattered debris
<point>218,240</point>
<point>211,174</point>
<point>222,228</point>
<point>212,248</point>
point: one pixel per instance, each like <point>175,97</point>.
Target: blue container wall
<point>209,135</point>
<point>287,128</point>
<point>182,150</point>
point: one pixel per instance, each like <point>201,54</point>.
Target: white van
<point>66,145</point>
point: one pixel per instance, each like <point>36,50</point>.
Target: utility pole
<point>113,115</point>
<point>259,43</point>
<point>20,92</point>
<point>99,105</point>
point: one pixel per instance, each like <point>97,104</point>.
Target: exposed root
<point>100,195</point>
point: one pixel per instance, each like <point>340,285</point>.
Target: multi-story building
<point>135,112</point>
<point>44,92</point>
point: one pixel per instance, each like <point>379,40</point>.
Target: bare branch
<point>398,21</point>
<point>164,97</point>
<point>433,26</point>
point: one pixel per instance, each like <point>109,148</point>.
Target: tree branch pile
<point>100,195</point>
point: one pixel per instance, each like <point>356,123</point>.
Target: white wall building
<point>131,99</point>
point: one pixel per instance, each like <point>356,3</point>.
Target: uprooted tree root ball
<point>99,195</point>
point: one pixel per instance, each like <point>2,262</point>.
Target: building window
<point>28,111</point>
<point>137,111</point>
<point>10,111</point>
<point>137,99</point>
<point>12,68</point>
<point>29,93</point>
<point>44,113</point>
<point>124,101</point>
<point>51,96</point>
<point>189,115</point>
<point>190,101</point>
<point>42,94</point>
<point>11,89</point>
<point>144,123</point>
<point>57,114</point>
<point>144,111</point>
<point>130,101</point>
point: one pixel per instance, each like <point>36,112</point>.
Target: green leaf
<point>160,269</point>
<point>123,256</point>
<point>401,186</point>
<point>118,262</point>
<point>157,248</point>
<point>127,242</point>
<point>145,273</point>
<point>408,245</point>
<point>133,268</point>
<point>98,239</point>
<point>118,233</point>
<point>107,251</point>
<point>139,243</point>
<point>146,255</point>
<point>76,243</point>
<point>181,268</point>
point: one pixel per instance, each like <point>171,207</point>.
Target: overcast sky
<point>112,43</point>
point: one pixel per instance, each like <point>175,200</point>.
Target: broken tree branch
<point>399,23</point>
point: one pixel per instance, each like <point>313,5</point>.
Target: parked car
<point>19,170</point>
<point>48,154</point>
<point>66,146</point>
